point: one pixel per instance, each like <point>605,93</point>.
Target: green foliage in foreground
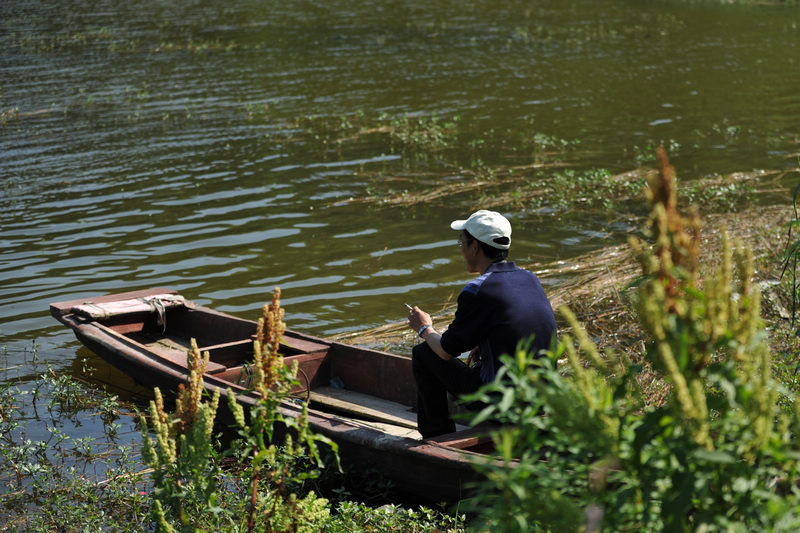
<point>273,458</point>
<point>62,483</point>
<point>719,455</point>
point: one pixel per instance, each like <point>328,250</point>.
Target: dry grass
<point>526,186</point>
<point>443,185</point>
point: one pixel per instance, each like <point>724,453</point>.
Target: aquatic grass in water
<point>8,115</point>
<point>116,42</point>
<point>597,188</point>
<point>58,479</point>
<point>426,133</point>
<point>424,139</point>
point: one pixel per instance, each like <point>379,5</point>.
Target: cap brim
<point>458,224</point>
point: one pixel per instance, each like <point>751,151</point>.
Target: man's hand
<point>472,358</point>
<point>418,318</point>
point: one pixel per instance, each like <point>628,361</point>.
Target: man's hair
<point>495,254</point>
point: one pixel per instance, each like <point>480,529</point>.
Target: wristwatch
<point>423,328</point>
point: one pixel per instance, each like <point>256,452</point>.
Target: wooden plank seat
<point>364,406</point>
<point>391,416</point>
<point>389,429</point>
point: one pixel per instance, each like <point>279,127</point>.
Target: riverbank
<point>594,286</point>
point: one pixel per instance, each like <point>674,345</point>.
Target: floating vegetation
<point>570,190</point>
<point>257,111</point>
<point>538,188</point>
<point>456,183</point>
<point>422,137</point>
<point>643,155</point>
<point>547,182</point>
<point>65,475</point>
<point>8,115</point>
<point>426,133</point>
<point>594,188</point>
<point>421,133</point>
<point>722,133</point>
<point>185,32</point>
<point>530,29</point>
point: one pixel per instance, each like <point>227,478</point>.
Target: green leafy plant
<point>425,133</point>
<point>590,452</point>
<point>56,479</point>
<point>352,516</point>
<point>275,470</point>
<point>184,460</point>
<point>186,463</point>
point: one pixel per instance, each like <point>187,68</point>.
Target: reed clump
<point>268,363</point>
<point>183,458</point>
<point>190,395</point>
<point>274,454</point>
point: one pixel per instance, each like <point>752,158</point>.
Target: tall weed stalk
<point>186,461</point>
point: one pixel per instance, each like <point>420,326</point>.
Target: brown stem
<point>251,518</point>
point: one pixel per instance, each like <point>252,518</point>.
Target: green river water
<point>224,148</point>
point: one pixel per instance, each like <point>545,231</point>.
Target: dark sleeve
<point>466,330</point>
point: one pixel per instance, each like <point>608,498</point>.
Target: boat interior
<point>370,388</point>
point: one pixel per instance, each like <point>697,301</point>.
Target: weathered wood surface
<point>365,406</point>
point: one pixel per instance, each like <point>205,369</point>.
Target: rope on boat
<point>157,306</point>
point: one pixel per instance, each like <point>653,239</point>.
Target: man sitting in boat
<point>496,310</point>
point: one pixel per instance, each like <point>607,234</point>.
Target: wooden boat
<point>360,398</point>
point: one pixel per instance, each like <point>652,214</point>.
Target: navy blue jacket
<point>495,311</point>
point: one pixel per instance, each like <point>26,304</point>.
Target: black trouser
<point>435,378</point>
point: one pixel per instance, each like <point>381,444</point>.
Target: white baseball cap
<point>488,227</point>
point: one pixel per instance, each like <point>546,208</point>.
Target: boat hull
<point>436,470</point>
